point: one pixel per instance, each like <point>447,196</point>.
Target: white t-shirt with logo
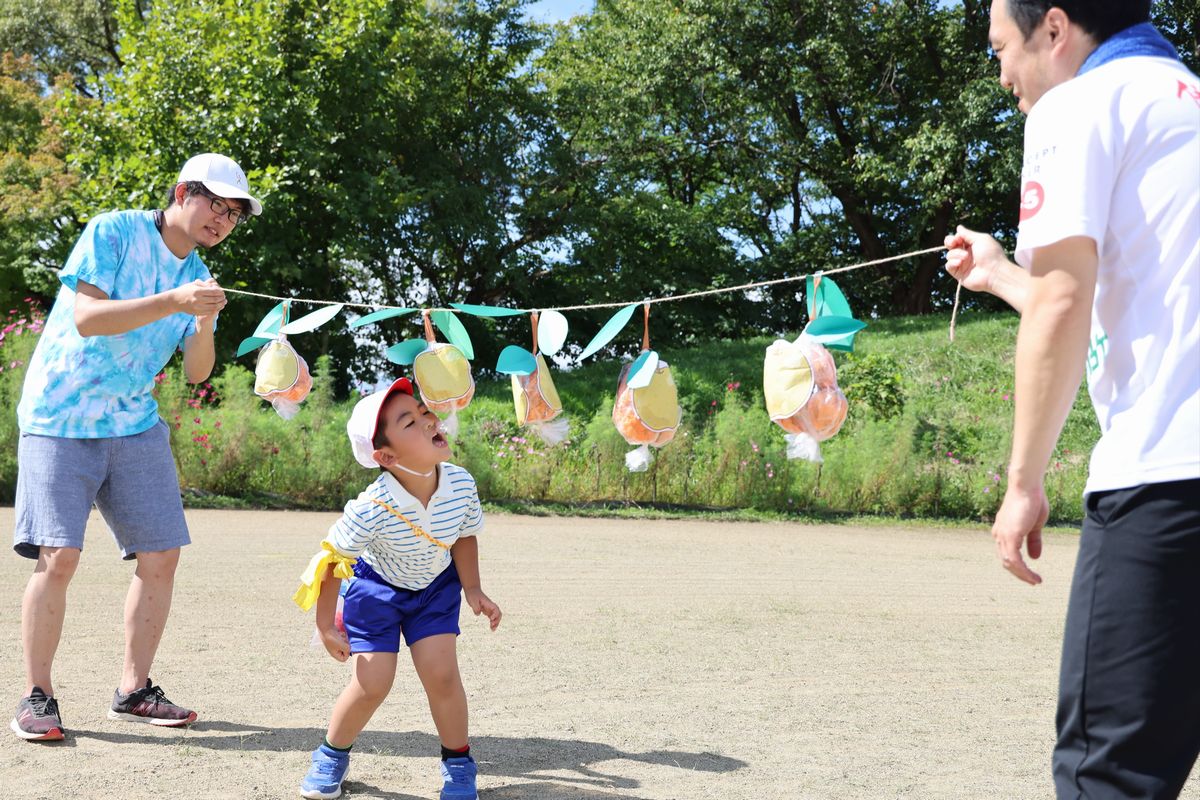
<point>1114,155</point>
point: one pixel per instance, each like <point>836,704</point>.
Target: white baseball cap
<point>220,175</point>
<point>364,420</point>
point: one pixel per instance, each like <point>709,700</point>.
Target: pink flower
<point>196,420</point>
<point>217,424</point>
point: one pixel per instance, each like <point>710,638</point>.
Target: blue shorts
<point>131,479</point>
<point>376,613</point>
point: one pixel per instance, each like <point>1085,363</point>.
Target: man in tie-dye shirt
<point>134,291</point>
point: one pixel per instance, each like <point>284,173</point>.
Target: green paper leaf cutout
<point>642,370</point>
<point>252,343</point>
<point>310,322</point>
<point>828,301</point>
<point>382,314</point>
<point>552,332</point>
<point>269,326</point>
<point>833,332</point>
<point>404,353</point>
<point>486,311</point>
<point>610,330</point>
<point>449,325</point>
<point>516,361</point>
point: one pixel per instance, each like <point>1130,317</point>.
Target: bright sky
<point>558,10</point>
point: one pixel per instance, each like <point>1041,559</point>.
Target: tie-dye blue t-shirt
<point>100,386</point>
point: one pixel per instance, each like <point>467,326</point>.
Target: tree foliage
<point>808,133</point>
<point>397,145</point>
<point>35,184</point>
<point>80,38</point>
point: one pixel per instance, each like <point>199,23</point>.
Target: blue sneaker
<point>458,779</point>
<point>325,776</point>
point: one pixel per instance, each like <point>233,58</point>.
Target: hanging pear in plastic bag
<point>537,403</point>
<point>443,376</point>
<point>647,415</point>
<point>281,377</point>
<point>802,395</point>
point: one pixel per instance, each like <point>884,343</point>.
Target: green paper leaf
<point>404,353</point>
<point>834,332</point>
<point>310,322</point>
<point>610,330</point>
<point>252,343</point>
<point>828,301</point>
<point>449,325</point>
<point>382,314</point>
<point>642,370</point>
<point>516,361</point>
<point>486,311</point>
<point>269,326</point>
<point>552,332</point>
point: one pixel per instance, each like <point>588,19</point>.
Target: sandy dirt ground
<point>667,660</point>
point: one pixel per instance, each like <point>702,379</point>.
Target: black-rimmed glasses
<point>236,215</point>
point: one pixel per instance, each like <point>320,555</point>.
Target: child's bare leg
<point>369,686</point>
<point>436,662</point>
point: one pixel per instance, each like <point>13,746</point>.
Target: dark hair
<point>380,438</point>
<point>1100,18</point>
<point>192,187</point>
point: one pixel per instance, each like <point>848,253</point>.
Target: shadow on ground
<point>524,758</point>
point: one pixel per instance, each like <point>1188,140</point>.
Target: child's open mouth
<point>439,440</point>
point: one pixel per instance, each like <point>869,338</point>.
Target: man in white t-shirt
<point>1110,235</point>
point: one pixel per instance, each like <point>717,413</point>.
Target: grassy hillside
<point>927,435</point>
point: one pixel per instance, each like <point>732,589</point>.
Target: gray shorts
<point>131,479</point>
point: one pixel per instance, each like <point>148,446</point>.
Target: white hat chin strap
<point>403,468</point>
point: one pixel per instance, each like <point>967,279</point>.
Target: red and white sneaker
<point>37,718</point>
<point>151,706</point>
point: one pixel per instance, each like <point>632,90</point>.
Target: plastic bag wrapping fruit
<point>802,395</point>
<point>281,377</point>
<point>538,405</point>
<point>646,415</point>
<point>443,376</point>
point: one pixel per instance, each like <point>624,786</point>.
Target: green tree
<point>35,186</point>
<point>396,146</point>
<point>808,133</point>
<point>79,38</point>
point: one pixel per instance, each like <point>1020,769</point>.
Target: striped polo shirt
<point>389,545</point>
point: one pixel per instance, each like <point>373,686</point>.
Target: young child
<point>409,540</point>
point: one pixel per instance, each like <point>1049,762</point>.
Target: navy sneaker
<point>151,706</point>
<point>458,779</point>
<point>325,776</point>
<point>37,718</point>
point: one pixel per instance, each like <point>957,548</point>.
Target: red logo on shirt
<point>1192,91</point>
<point>1032,198</point>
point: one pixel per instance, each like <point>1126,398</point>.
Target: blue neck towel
<point>1142,39</point>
